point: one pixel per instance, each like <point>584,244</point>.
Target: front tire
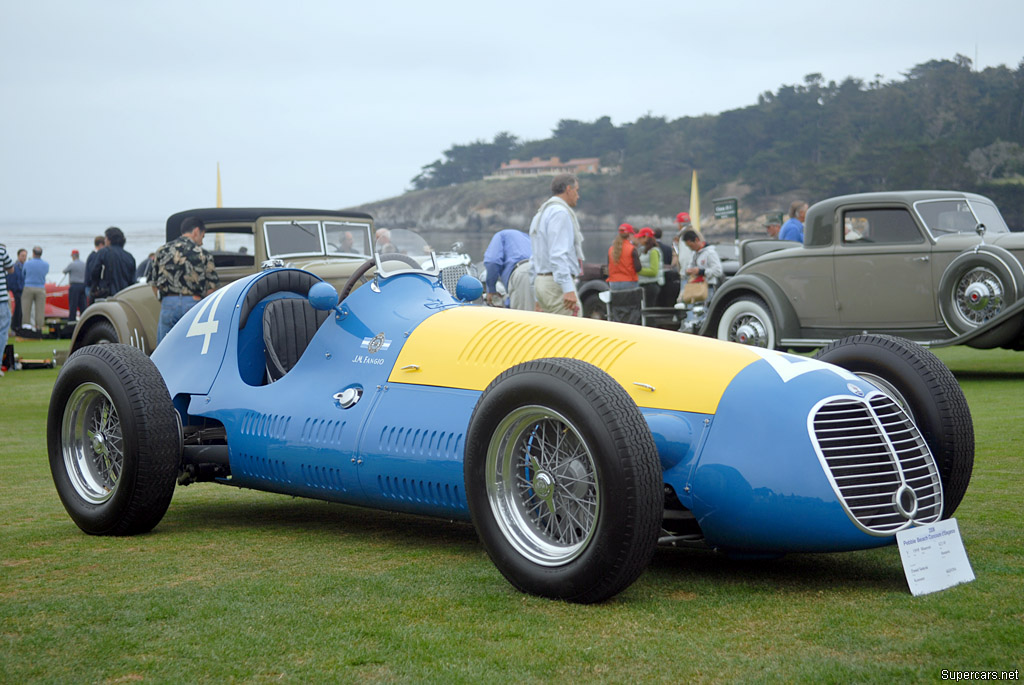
<point>927,390</point>
<point>113,440</point>
<point>563,480</point>
<point>100,333</point>
<point>748,321</point>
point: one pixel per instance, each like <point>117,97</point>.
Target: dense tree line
<point>942,125</point>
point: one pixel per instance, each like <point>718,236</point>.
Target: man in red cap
<point>650,276</point>
<point>680,253</point>
<point>76,279</point>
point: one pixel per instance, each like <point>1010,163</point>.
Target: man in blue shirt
<point>33,297</point>
<point>794,228</point>
<point>508,258</point>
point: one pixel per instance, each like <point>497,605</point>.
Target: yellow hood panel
<point>468,347</point>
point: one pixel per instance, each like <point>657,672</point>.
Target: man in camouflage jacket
<point>183,273</point>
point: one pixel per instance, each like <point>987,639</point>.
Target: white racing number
<point>208,326</point>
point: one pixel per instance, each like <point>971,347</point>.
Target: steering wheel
<point>360,272</point>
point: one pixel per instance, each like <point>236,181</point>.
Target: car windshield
<point>307,237</point>
<point>943,217</point>
<point>346,238</point>
<point>287,238</point>
<point>401,250</point>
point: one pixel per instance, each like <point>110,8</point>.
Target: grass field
<point>235,585</point>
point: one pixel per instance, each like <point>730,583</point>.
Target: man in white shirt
<point>557,247</point>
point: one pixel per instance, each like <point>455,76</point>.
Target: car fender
<point>766,488</point>
<point>594,286</point>
<point>787,324</point>
<point>120,314</point>
<point>998,332</point>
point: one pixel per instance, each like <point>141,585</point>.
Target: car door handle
<point>921,259</point>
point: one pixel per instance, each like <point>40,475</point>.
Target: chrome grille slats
<point>872,454</point>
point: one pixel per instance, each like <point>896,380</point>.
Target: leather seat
<point>288,326</point>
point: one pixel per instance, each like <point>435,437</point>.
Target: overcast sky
<point>120,110</point>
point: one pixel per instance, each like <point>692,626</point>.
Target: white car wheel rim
<point>542,485</point>
<point>92,443</point>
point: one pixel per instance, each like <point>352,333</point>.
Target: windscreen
<point>943,217</point>
<point>285,238</point>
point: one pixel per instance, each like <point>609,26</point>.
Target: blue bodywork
<point>749,472</point>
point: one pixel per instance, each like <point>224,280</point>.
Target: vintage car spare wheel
<point>113,440</point>
<point>748,321</point>
<point>563,480</point>
<point>977,286</point>
<point>927,391</point>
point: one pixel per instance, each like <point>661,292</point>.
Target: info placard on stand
<point>934,557</point>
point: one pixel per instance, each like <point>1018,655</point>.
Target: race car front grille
<point>877,462</point>
<point>450,276</point>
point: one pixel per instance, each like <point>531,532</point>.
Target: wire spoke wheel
<point>92,443</point>
<point>563,480</point>
<point>542,485</point>
<point>976,289</point>
<point>748,321</point>
<point>748,329</point>
<point>978,296</point>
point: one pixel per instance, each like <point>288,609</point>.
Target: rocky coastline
<point>486,206</point>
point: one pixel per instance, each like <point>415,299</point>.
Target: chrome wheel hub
<point>92,443</point>
<point>542,485</point>
<point>750,331</point>
<point>978,296</point>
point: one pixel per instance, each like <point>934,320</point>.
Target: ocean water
<point>58,239</point>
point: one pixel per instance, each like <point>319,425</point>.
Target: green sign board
<point>725,208</point>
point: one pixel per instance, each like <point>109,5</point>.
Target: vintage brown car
<point>330,244</point>
<point>937,267</point>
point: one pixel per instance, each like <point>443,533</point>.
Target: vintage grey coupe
<point>937,267</point>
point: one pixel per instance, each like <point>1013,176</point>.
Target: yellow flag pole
<point>219,239</point>
<point>695,203</point>
<point>220,199</point>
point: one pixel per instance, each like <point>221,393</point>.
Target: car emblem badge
<point>855,390</point>
<point>376,343</point>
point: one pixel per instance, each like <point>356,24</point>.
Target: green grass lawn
<point>235,585</point>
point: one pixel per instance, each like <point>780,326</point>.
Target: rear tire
<point>927,390</point>
<point>594,308</point>
<point>113,440</point>
<point>748,321</point>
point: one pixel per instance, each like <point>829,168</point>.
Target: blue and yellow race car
<point>574,446</point>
